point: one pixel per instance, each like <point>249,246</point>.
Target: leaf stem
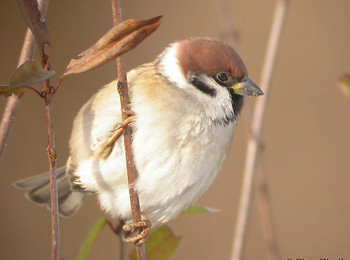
<point>254,143</point>
<point>124,101</point>
<point>51,152</point>
<point>39,93</point>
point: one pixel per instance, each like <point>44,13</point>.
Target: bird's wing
<point>36,181</point>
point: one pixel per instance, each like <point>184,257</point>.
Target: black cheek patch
<point>196,81</point>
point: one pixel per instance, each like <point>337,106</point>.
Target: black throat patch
<point>237,102</point>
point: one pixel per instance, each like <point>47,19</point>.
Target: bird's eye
<point>222,77</point>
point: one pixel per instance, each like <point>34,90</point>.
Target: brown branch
<point>130,165</point>
<point>51,152</point>
<point>264,202</point>
<point>28,50</point>
<point>13,101</point>
<point>262,194</point>
<point>122,253</point>
<point>254,142</point>
<point>118,231</point>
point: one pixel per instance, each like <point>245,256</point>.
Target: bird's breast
<point>178,155</point>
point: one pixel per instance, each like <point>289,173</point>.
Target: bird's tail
<point>38,191</point>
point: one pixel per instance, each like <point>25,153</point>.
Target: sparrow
<point>184,106</point>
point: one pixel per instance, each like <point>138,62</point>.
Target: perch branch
<point>130,165</point>
<point>52,168</point>
<point>13,101</point>
<point>254,143</point>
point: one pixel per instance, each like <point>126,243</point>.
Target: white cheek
<point>220,106</point>
<point>169,67</point>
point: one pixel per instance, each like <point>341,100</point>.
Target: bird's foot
<point>129,112</point>
<point>106,147</point>
<point>137,232</point>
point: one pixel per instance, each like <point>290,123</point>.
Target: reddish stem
<point>51,152</point>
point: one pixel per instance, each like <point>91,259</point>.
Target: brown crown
<point>209,56</point>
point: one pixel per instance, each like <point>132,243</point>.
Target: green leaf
<point>199,209</point>
<point>29,73</point>
<point>344,84</point>
<point>160,245</point>
<point>86,246</point>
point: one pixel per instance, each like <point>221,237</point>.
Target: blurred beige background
<point>306,132</point>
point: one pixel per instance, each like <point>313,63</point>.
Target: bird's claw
<point>129,112</point>
<point>137,232</point>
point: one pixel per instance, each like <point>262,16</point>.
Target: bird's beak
<point>246,88</point>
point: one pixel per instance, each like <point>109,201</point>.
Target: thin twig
<point>51,153</point>
<point>122,248</point>
<point>130,165</point>
<point>231,36</point>
<point>118,231</point>
<point>39,93</point>
<point>257,124</point>
<point>53,177</point>
<point>13,101</point>
<point>266,213</point>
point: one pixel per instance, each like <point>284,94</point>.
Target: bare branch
<point>130,165</point>
<point>232,37</point>
<point>33,16</point>
<point>254,142</point>
<point>51,152</point>
<point>266,214</point>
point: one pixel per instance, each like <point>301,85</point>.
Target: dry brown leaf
<point>32,16</point>
<point>120,39</point>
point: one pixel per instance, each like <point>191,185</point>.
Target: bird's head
<point>210,71</point>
